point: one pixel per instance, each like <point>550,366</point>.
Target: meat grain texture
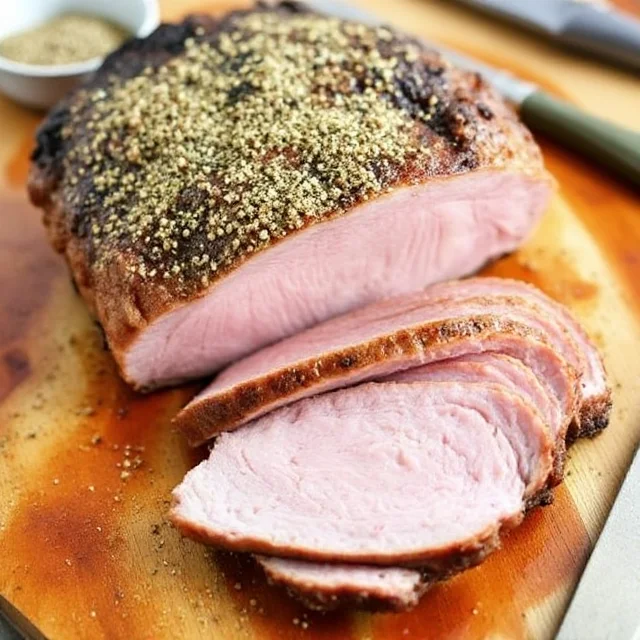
<point>215,185</point>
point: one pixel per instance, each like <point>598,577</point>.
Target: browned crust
<point>200,421</point>
<point>594,417</point>
<point>345,596</point>
<point>348,596</point>
<point>492,137</point>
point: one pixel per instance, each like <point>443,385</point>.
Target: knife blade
<point>596,27</point>
<point>606,604</point>
<point>615,148</point>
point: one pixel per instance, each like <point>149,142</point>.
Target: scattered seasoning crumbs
<point>237,586</point>
<point>56,481</point>
<point>92,614</point>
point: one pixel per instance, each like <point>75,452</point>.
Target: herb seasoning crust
<point>194,149</point>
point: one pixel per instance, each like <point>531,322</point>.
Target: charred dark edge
<point>594,417</point>
<point>349,598</point>
<point>202,420</point>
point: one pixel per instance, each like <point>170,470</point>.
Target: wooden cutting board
<point>86,466</point>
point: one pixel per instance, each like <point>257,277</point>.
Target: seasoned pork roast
<point>273,192</point>
<point>224,184</point>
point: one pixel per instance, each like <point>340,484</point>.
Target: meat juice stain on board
<point>630,6</point>
<point>609,208</point>
<point>28,268</point>
<point>71,502</point>
<point>75,510</point>
<point>549,272</point>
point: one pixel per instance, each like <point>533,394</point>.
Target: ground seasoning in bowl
<point>65,39</point>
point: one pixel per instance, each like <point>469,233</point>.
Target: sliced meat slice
<point>495,368</point>
<point>324,585</point>
<point>595,401</point>
<point>376,341</point>
<point>508,372</point>
<point>328,586</point>
<point>326,479</point>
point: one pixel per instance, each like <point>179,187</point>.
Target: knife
<point>606,604</point>
<point>596,27</point>
<point>613,147</point>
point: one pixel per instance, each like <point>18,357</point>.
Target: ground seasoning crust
<point>242,138</point>
<point>211,140</point>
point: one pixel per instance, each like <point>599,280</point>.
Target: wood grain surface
<point>85,550</point>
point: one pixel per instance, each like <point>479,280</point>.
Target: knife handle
<point>612,146</point>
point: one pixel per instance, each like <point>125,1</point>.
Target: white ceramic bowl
<point>42,86</point>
